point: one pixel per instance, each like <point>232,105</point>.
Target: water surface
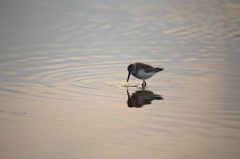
<point>63,72</point>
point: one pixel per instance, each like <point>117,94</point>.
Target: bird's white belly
<point>144,75</point>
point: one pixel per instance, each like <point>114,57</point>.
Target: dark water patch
<point>12,91</point>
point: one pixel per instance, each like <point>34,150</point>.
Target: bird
<point>142,71</point>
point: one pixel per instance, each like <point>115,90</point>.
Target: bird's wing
<point>146,67</point>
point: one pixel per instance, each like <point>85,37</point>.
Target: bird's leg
<point>144,83</point>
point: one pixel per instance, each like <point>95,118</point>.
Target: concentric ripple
<point>71,79</point>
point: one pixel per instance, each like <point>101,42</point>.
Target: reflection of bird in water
<point>140,98</point>
<point>142,71</point>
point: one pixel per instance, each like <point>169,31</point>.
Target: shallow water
<point>63,72</point>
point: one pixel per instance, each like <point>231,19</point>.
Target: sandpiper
<point>142,71</point>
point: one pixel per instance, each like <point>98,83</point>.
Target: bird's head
<point>130,69</point>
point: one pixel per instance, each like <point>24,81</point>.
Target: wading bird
<point>142,71</point>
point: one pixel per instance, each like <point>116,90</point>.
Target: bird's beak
<point>129,73</point>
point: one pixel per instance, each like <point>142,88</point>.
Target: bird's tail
<point>159,69</point>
